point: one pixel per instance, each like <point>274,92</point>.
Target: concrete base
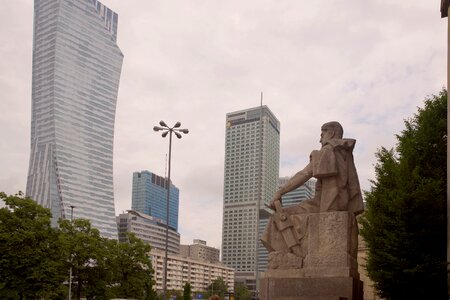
<point>329,270</point>
<point>325,288</point>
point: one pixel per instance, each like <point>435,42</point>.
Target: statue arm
<point>297,180</point>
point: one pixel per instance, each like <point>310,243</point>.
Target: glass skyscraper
<point>149,196</point>
<point>76,72</point>
<point>252,152</point>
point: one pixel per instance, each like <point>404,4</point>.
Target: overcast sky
<point>367,64</point>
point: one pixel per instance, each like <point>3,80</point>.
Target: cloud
<point>365,64</point>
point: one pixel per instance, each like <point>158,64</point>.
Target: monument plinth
<point>329,269</point>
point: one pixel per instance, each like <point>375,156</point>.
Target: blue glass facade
<point>149,196</point>
<point>76,72</point>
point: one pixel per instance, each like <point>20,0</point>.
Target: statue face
<point>326,135</point>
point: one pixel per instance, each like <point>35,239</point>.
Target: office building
<point>306,191</point>
<point>251,174</point>
<point>200,274</point>
<point>149,229</point>
<point>76,71</point>
<point>199,250</point>
<point>149,196</point>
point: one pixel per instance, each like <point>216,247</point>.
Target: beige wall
<point>369,291</point>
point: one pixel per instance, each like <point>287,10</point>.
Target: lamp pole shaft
<point>70,271</point>
<point>167,216</point>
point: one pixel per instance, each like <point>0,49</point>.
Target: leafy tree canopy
<point>217,287</point>
<point>31,261</point>
<point>133,269</point>
<point>187,291</point>
<point>241,292</point>
<point>35,258</point>
<point>404,225</point>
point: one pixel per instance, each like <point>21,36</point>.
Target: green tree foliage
<point>133,269</point>
<point>217,287</point>
<point>404,225</point>
<point>87,254</point>
<point>187,291</point>
<point>35,258</point>
<point>241,292</point>
<point>31,261</point>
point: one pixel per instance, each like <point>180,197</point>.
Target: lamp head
<point>157,128</point>
<point>162,123</point>
<point>178,124</point>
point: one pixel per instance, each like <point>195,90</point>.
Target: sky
<point>367,64</point>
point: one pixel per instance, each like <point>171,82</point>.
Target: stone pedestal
<point>321,288</point>
<point>330,269</point>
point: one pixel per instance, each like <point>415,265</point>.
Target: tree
<point>217,287</point>
<point>404,225</point>
<point>187,291</point>
<point>241,292</point>
<point>31,262</point>
<point>133,269</point>
<point>87,254</point>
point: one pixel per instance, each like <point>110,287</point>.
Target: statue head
<point>331,130</point>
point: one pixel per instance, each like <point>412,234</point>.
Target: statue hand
<point>276,197</point>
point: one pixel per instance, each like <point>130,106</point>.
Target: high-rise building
<point>303,192</point>
<point>149,196</point>
<point>76,72</point>
<point>199,250</point>
<point>149,229</point>
<point>252,154</point>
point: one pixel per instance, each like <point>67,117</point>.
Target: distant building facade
<point>252,151</point>
<point>306,191</point>
<point>149,229</point>
<point>199,273</point>
<point>76,72</point>
<point>149,196</point>
<point>199,250</point>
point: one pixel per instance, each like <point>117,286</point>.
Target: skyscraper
<point>149,196</point>
<point>252,154</point>
<point>76,71</point>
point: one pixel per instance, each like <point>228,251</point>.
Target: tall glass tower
<point>76,71</point>
<point>149,196</point>
<point>252,152</point>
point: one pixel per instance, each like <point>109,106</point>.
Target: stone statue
<point>288,233</point>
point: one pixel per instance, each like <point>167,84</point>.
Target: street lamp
<point>71,258</point>
<point>177,131</point>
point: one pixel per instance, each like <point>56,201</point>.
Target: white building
<point>199,273</point>
<point>199,250</point>
<point>252,154</point>
<point>76,72</point>
<point>149,229</point>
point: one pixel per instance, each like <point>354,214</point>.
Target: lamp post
<point>70,271</point>
<point>168,130</point>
